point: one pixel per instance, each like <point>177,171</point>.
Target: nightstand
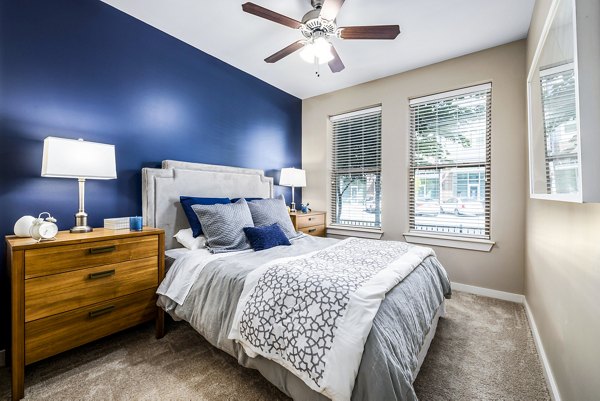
<point>312,223</point>
<point>78,288</point>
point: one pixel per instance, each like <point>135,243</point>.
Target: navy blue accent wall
<point>82,69</point>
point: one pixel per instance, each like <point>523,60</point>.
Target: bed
<point>205,290</point>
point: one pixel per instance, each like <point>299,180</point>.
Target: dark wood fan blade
<point>336,64</point>
<point>370,32</point>
<point>286,51</point>
<point>265,13</point>
<point>331,8</point>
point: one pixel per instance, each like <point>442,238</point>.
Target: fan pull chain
<point>317,72</point>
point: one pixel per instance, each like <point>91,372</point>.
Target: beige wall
<point>562,283</point>
<point>502,268</point>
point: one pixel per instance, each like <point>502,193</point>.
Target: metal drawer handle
<point>104,249</point>
<point>310,219</point>
<point>103,311</point>
<point>312,230</point>
<point>107,273</point>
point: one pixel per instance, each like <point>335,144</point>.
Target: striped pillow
<point>266,212</point>
<point>223,225</point>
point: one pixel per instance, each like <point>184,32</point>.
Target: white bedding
<point>389,362</point>
<point>185,271</point>
<point>176,253</point>
<point>187,267</point>
<point>321,338</point>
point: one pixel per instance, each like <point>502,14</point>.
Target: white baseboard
<point>2,358</point>
<point>487,292</point>
<point>552,387</point>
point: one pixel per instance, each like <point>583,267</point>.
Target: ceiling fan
<point>318,26</point>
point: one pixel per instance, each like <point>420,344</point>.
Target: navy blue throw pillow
<point>266,237</point>
<point>247,199</point>
<point>188,201</point>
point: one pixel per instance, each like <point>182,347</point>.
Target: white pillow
<point>186,238</point>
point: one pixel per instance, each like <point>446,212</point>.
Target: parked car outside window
<point>427,207</point>
<point>460,207</point>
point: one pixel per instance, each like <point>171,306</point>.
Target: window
<point>356,169</point>
<point>560,128</point>
<point>450,162</point>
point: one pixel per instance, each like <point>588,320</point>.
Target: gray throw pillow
<point>266,212</point>
<point>223,225</point>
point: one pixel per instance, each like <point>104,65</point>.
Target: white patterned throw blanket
<point>312,313</point>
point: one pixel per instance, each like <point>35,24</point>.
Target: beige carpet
<point>483,350</point>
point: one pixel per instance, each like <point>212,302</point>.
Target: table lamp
<point>292,177</point>
<point>70,158</point>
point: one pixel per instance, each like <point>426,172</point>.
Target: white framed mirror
<point>554,145</point>
<point>564,145</point>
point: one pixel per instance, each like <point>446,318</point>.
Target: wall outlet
<point>2,358</point>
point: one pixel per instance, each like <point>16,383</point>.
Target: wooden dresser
<point>78,288</point>
<point>311,223</point>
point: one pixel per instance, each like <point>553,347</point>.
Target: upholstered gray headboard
<point>161,189</point>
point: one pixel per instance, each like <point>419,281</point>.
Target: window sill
<point>473,244</point>
<point>369,233</point>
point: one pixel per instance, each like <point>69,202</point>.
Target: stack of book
<point>119,223</point>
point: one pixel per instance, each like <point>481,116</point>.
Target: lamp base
<point>81,229</point>
<point>293,207</point>
<point>81,225</point>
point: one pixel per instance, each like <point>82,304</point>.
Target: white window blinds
<point>450,162</point>
<point>356,168</point>
<point>560,128</point>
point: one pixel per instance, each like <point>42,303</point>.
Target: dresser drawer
<point>57,259</point>
<point>57,293</point>
<point>309,220</point>
<point>317,231</point>
<point>58,333</point>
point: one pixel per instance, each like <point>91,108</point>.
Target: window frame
<point>334,226</point>
<point>437,237</point>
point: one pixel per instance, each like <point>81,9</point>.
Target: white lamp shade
<point>292,177</point>
<point>70,158</point>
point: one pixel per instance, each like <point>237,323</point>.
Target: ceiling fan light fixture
<point>319,49</point>
<point>317,27</point>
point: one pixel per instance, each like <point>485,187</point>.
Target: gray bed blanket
<point>390,354</point>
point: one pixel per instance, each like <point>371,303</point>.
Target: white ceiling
<point>431,31</point>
